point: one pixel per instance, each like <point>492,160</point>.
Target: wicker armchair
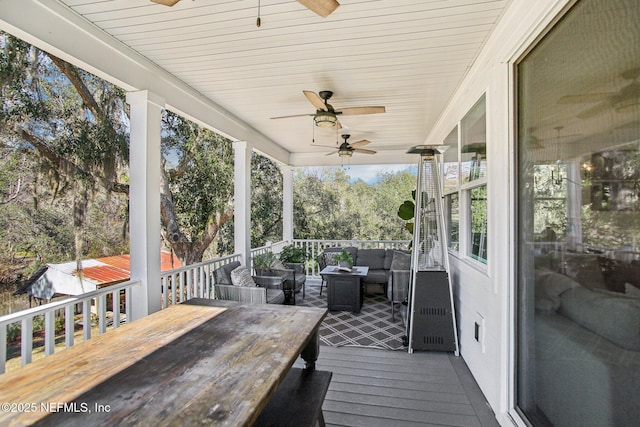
<point>399,278</point>
<point>251,295</point>
<point>398,288</point>
<point>294,277</point>
<point>268,289</point>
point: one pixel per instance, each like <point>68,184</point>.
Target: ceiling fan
<point>326,115</point>
<point>347,150</point>
<point>626,98</point>
<point>533,142</point>
<point>321,7</point>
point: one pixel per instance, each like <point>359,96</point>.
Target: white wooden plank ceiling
<point>407,55</point>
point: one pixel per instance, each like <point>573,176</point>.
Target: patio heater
<point>431,319</point>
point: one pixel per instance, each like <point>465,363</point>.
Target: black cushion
<point>376,276</point>
<point>222,275</point>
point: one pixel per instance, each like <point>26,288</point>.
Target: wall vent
<point>431,340</point>
<point>432,311</point>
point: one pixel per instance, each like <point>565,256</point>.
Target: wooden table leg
<point>311,351</point>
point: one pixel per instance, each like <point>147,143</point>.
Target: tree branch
<point>65,165</point>
<point>74,77</point>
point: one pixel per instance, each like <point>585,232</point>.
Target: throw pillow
<point>241,276</point>
<point>278,265</point>
<point>631,290</point>
<point>549,289</point>
<point>328,258</point>
<point>584,269</point>
<point>222,274</point>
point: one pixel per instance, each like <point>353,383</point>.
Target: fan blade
<point>363,151</point>
<point>166,2</point>
<point>360,143</point>
<point>315,99</point>
<point>360,110</point>
<point>595,110</point>
<point>333,152</point>
<point>321,7</point>
<point>585,98</point>
<point>293,115</point>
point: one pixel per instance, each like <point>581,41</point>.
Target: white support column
<point>242,200</point>
<point>287,202</point>
<point>144,200</point>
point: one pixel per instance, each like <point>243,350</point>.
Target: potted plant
<point>262,262</point>
<point>344,259</point>
<point>293,254</point>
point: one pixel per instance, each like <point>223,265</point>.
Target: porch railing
<point>101,309</point>
<point>314,248</point>
<point>93,306</point>
<point>110,306</point>
<point>194,280</point>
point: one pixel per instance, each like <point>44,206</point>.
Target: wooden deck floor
<point>385,388</point>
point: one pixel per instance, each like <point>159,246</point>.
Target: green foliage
<point>263,261</point>
<point>292,253</point>
<point>201,176</point>
<point>344,256</point>
<point>328,206</point>
<point>61,148</point>
<point>266,201</point>
<point>407,210</point>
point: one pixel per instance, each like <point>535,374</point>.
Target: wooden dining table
<point>204,362</point>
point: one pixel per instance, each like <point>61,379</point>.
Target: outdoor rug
<point>372,327</point>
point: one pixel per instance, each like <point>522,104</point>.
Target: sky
<point>368,173</point>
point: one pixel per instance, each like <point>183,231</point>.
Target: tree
<point>266,201</point>
<point>73,129</point>
<point>70,118</point>
<point>196,186</point>
<point>327,206</point>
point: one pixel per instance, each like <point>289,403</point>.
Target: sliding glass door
<point>578,201</point>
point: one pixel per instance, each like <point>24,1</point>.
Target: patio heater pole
<point>431,313</point>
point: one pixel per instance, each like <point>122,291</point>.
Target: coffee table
<point>344,288</point>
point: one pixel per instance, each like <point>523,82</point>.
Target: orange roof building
<point>63,279</point>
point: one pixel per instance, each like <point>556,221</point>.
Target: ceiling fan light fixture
<point>345,153</point>
<point>166,2</point>
<point>325,119</point>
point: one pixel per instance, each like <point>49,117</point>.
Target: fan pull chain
<point>258,22</point>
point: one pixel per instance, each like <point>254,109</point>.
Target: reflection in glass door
<point>578,202</point>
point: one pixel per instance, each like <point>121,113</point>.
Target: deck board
<point>392,388</point>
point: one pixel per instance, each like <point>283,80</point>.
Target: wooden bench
<point>298,400</point>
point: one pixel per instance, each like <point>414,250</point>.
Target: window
<point>464,177</point>
<point>550,203</point>
<point>578,219</point>
<point>450,186</point>
<point>452,218</point>
<point>473,171</point>
<point>450,166</point>
<point>473,147</point>
<point>478,219</point>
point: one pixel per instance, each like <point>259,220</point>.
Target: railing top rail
<point>30,312</point>
<point>350,240</point>
<point>200,264</point>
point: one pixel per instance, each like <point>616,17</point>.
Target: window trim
<point>463,189</point>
